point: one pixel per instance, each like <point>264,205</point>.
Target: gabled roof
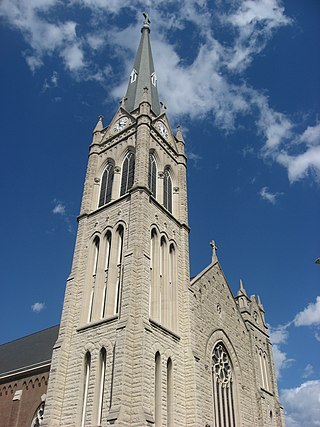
<point>28,352</point>
<point>143,75</point>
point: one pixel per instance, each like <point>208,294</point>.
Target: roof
<point>143,75</point>
<point>28,352</point>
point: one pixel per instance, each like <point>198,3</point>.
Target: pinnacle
<point>99,125</point>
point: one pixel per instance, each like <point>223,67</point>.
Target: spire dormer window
<point>154,79</point>
<point>133,76</point>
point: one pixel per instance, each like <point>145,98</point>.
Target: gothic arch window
<point>86,377</point>
<point>106,184</point>
<point>163,270</point>
<point>154,275</point>
<point>169,393</point>
<point>167,189</point>
<point>223,388</point>
<point>108,239</point>
<point>101,383</point>
<point>127,173</point>
<point>157,391</point>
<point>172,291</point>
<point>119,249</point>
<point>95,259</point>
<point>263,362</point>
<point>38,416</point>
<point>152,176</point>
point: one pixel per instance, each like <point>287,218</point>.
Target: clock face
<point>162,129</point>
<point>120,124</point>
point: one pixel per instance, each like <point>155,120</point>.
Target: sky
<point>242,80</point>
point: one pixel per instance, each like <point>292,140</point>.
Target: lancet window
<point>87,367</point>
<point>127,179</point>
<point>101,383</point>
<point>154,273</point>
<point>167,190</point>
<point>157,391</point>
<point>119,250</point>
<point>263,362</point>
<point>106,184</point>
<point>152,177</point>
<point>95,259</point>
<point>223,388</point>
<point>108,240</point>
<point>169,393</point>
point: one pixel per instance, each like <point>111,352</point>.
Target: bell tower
<point>123,347</point>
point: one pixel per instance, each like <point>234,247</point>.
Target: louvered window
<point>106,184</point>
<point>167,190</point>
<point>152,178</point>
<point>127,173</point>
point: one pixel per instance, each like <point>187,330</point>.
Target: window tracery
<point>38,416</point>
<point>222,379</point>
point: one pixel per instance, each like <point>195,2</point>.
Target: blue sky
<point>242,78</point>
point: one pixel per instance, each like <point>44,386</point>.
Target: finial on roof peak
<point>179,135</point>
<point>163,107</point>
<point>147,21</point>
<point>242,291</point>
<point>214,251</point>
<point>99,125</point>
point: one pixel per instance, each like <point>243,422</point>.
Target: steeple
<point>143,74</point>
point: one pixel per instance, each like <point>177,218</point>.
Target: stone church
<point>140,342</point>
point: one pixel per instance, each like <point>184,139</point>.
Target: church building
<point>141,343</point>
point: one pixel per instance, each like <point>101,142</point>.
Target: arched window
<point>223,389</point>
<point>38,416</point>
<point>106,184</point>
<point>152,177</point>
<point>119,266</point>
<point>169,393</point>
<point>101,381</point>
<point>106,270</point>
<point>127,173</point>
<point>154,273</point>
<point>167,190</point>
<point>95,259</point>
<point>264,369</point>
<point>157,391</point>
<point>87,367</point>
<point>172,292</point>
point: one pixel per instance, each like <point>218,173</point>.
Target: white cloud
<point>308,371</point>
<point>267,195</point>
<point>59,208</point>
<point>299,166</point>
<point>37,307</point>
<point>51,82</point>
<point>310,315</point>
<point>302,404</point>
<point>207,81</point>
<point>278,336</point>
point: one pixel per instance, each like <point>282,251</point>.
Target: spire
<point>143,74</point>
